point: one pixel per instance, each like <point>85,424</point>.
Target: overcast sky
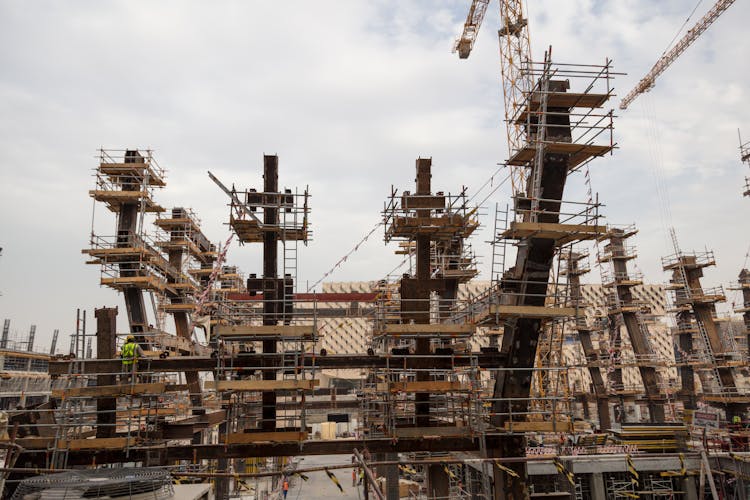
<point>348,94</point>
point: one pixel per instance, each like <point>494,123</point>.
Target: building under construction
<point>428,382</point>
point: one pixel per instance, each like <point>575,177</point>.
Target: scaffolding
<point>700,342</point>
<point>421,315</point>
<point>187,248</point>
<point>624,310</point>
<point>157,261</point>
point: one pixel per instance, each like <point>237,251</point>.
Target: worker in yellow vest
<point>130,353</point>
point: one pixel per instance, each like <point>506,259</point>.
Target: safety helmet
<point>130,338</point>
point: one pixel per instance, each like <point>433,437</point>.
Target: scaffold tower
<point>624,310</point>
<point>562,131</point>
<point>422,319</point>
<point>574,266</point>
<point>701,346</point>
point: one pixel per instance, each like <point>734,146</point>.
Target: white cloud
<point>348,94</point>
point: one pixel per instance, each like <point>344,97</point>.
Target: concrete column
<point>688,486</point>
<point>437,483</point>
<point>598,492</point>
<point>391,478</point>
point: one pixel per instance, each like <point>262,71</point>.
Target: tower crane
<point>648,81</point>
<point>515,67</point>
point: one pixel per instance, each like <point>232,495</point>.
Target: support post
<point>221,484</point>
<point>106,348</point>
<point>270,287</point>
<point>368,476</point>
<point>127,227</point>
<point>598,492</point>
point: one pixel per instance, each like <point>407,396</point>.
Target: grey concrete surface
<point>319,486</point>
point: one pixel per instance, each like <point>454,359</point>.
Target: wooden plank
<point>423,201</point>
<point>428,386</point>
<point>553,231</point>
<point>563,100</point>
<point>146,412</point>
<point>260,385</point>
<point>265,330</point>
<point>23,354</point>
<point>725,399</point>
<point>115,198</point>
<point>110,390</point>
<point>119,195</point>
<point>178,307</point>
<point>124,251</point>
<point>572,99</point>
<point>145,282</point>
<point>531,311</point>
<point>203,271</point>
<point>137,169</point>
<point>32,443</point>
<point>276,437</point>
<point>538,426</point>
<point>96,444</point>
<point>441,329</point>
<point>579,152</point>
<point>177,223</point>
<point>427,432</point>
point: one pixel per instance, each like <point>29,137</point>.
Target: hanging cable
<point>356,247</point>
<point>214,273</point>
<point>669,46</point>
<point>489,181</point>
<point>494,190</point>
<point>657,172</point>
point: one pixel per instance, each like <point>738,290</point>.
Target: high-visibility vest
<point>286,486</point>
<point>128,353</point>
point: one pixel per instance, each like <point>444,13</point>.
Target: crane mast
<point>648,81</point>
<point>515,67</point>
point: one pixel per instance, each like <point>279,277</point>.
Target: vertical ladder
<point>709,354</point>
<point>539,141</point>
<point>53,346</point>
<point>482,420</point>
<point>159,313</point>
<point>703,334</point>
<point>289,220</point>
<point>59,458</point>
<point>498,244</point>
<point>578,490</point>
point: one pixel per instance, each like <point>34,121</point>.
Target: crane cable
<point>657,172</point>
<point>669,46</point>
<point>346,256</point>
<point>364,239</point>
